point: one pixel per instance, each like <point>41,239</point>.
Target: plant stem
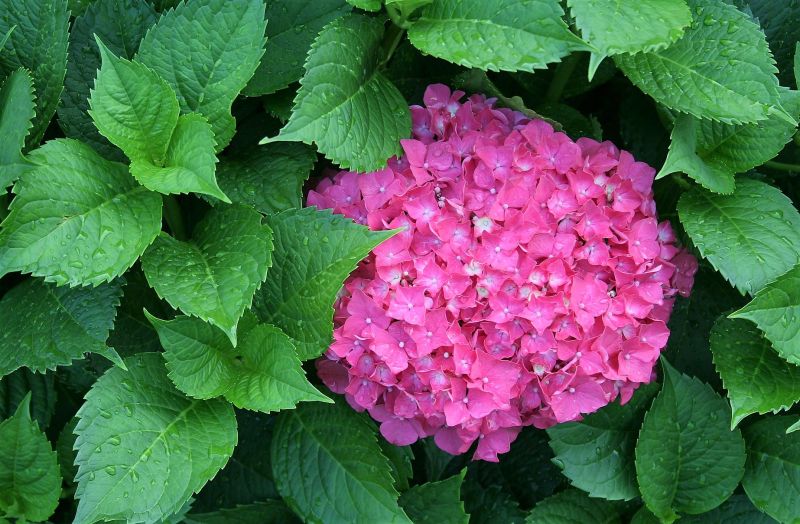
<point>563,72</point>
<point>394,35</point>
<point>680,181</point>
<point>782,166</point>
<point>397,17</point>
<point>174,217</point>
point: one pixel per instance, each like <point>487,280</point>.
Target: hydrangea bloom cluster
<point>530,284</point>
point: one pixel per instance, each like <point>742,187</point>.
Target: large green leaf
<point>269,178</point>
<point>189,164</point>
<point>207,51</point>
<point>751,237</point>
<point>613,27</point>
<point>721,69</point>
<point>508,35</point>
<point>329,468</point>
<point>772,473</point>
<point>776,311</point>
<point>30,481</point>
<point>781,24</point>
<point>133,108</point>
<point>16,114</point>
<point>43,326</point>
<point>597,453</point>
<point>314,253</point>
<point>291,29</point>
<point>267,512</point>
<point>736,510</point>
<point>41,386</point>
<point>687,459</point>
<point>757,379</point>
<point>436,502</point>
<point>77,218</point>
<point>120,24</point>
<point>574,507</point>
<point>345,105</point>
<point>39,44</point>
<point>263,373</point>
<point>143,447</point>
<point>712,152</point>
<point>215,276</point>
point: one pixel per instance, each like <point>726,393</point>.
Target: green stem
<point>394,35</point>
<point>174,217</point>
<point>563,72</point>
<point>397,17</point>
<point>782,166</point>
<point>680,181</point>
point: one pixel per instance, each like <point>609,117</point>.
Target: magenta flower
<point>530,284</point>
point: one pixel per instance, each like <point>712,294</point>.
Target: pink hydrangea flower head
<point>530,284</point>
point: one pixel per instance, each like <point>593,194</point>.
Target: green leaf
<point>329,468</point>
<point>757,379</point>
<point>781,24</point>
<point>41,386</point>
<point>687,459</point>
<point>291,29</point>
<point>797,64</point>
<point>262,374</point>
<point>139,436</point>
<point>436,502</point>
<point>315,251</point>
<point>400,458</point>
<point>77,218</point>
<point>505,35</point>
<point>712,152</point>
<point>270,178</point>
<point>772,472</point>
<point>614,27</point>
<point>43,326</point>
<point>267,512</point>
<point>132,332</point>
<point>66,453</point>
<point>30,481</point>
<point>215,276</point>
<point>596,454</point>
<point>39,44</point>
<point>189,164</point>
<point>345,105</point>
<point>16,114</point>
<point>721,69</point>
<point>751,237</point>
<point>491,504</point>
<point>4,38</point>
<point>207,77</point>
<point>366,5</point>
<point>120,24</point>
<point>133,108</point>
<point>406,7</point>
<point>736,510</point>
<point>574,507</point>
<point>776,311</point>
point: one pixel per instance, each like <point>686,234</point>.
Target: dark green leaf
<point>436,502</point>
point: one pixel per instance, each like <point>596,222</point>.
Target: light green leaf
<point>751,237</point>
<point>721,69</point>
<point>505,35</point>
<point>596,454</point>
<point>30,481</point>
<point>263,373</point>
<point>573,507</point>
<point>77,218</point>
<point>16,114</point>
<point>687,459</point>
<point>207,77</point>
<point>120,24</point>
<point>133,108</point>
<point>345,105</point>
<point>614,27</point>
<point>43,326</point>
<point>329,468</point>
<point>772,473</point>
<point>39,44</point>
<point>366,5</point>
<point>270,178</point>
<point>712,152</point>
<point>189,164</point>
<point>138,435</point>
<point>315,251</point>
<point>291,29</point>
<point>407,7</point>
<point>41,386</point>
<point>267,512</point>
<point>215,276</point>
<point>757,379</point>
<point>436,502</point>
<point>776,311</point>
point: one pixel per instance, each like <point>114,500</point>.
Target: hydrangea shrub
<point>399,261</point>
